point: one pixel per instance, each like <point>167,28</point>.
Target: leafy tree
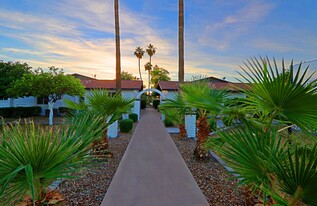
<point>148,67</point>
<point>52,85</point>
<point>159,74</point>
<point>139,52</point>
<point>9,73</point>
<point>127,76</point>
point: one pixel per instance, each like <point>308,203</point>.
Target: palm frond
<point>280,91</point>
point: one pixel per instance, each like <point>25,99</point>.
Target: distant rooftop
<point>92,83</point>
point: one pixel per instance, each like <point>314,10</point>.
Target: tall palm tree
<point>150,51</point>
<point>181,41</point>
<point>148,67</point>
<point>117,34</point>
<point>139,52</point>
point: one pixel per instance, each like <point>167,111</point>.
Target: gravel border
<point>211,177</point>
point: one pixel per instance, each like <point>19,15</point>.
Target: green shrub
<point>168,123</point>
<point>31,157</point>
<point>17,112</point>
<point>134,117</point>
<point>228,121</point>
<point>156,102</point>
<point>126,125</point>
<point>212,124</point>
<point>6,112</point>
<point>65,111</point>
<point>143,104</point>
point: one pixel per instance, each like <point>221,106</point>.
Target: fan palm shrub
<point>31,158</point>
<point>274,91</point>
<point>264,163</point>
<point>206,101</point>
<point>108,107</point>
<point>286,173</point>
<point>175,109</point>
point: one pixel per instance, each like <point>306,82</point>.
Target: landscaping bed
<point>211,177</point>
<point>92,186</point>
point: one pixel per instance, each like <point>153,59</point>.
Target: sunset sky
<point>78,35</point>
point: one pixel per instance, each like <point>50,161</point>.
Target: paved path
<point>152,171</point>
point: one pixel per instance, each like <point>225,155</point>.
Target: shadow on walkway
<point>152,171</point>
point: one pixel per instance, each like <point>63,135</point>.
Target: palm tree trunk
<point>117,34</point>
<point>149,78</point>
<point>181,41</point>
<point>140,71</point>
<point>203,127</point>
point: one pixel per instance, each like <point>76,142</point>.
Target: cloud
<point>67,36</point>
<point>220,35</point>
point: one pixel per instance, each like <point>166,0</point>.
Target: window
<point>42,100</point>
<point>3,98</point>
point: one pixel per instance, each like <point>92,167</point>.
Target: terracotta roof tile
<point>173,85</point>
<point>111,84</point>
<point>168,85</point>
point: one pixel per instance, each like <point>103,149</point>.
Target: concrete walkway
<point>152,171</point>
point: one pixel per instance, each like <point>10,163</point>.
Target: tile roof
<point>111,84</point>
<point>234,87</point>
<point>168,85</point>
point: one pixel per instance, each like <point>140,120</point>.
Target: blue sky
<point>78,35</point>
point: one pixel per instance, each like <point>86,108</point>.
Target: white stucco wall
<point>24,102</point>
<point>170,94</point>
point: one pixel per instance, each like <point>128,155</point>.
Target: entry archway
<point>137,102</point>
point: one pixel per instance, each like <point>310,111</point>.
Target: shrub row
<point>16,112</point>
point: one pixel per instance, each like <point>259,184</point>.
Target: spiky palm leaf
<point>31,158</point>
<point>109,106</point>
<point>275,90</point>
<point>199,95</point>
<point>297,175</point>
<point>250,151</point>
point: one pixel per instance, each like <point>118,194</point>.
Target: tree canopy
<point>159,74</point>
<point>52,86</point>
<point>127,76</point>
<point>9,73</point>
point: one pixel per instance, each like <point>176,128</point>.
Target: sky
<point>220,35</point>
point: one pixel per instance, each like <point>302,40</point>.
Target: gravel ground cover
<point>213,180</point>
<point>211,177</point>
<point>92,186</point>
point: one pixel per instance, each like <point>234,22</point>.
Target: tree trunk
<point>181,41</point>
<point>140,70</point>
<point>201,152</point>
<point>182,131</point>
<point>117,34</point>
<point>50,118</point>
<point>149,79</point>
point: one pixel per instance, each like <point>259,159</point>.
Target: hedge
<point>17,112</point>
<point>168,123</point>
